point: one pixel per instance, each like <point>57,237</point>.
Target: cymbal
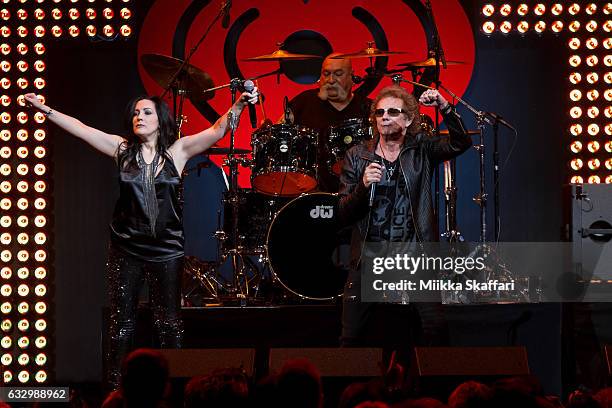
<point>225,150</point>
<point>429,62</point>
<point>444,132</point>
<point>281,55</point>
<point>369,52</point>
<point>193,81</point>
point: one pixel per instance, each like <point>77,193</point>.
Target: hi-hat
<point>282,55</point>
<point>429,62</point>
<point>192,81</point>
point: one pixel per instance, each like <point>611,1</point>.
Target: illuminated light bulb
<point>592,43</point>
<point>5,31</point>
<point>576,112</point>
<point>556,9</point>
<point>40,273</point>
<point>41,342</point>
<point>74,31</point>
<point>573,9</point>
<point>108,30</point>
<point>39,31</point>
<point>6,307</point>
<point>607,9</point>
<point>557,26</point>
<point>5,220</point>
<point>5,14</point>
<point>23,377</point>
<point>607,26</point>
<point>5,117</point>
<point>23,307</point>
<point>608,129</point>
<point>608,60</point>
<point>39,49</point>
<point>39,14</point>
<point>23,169</point>
<point>539,27</point>
<point>23,325</point>
<point>592,60</point>
<point>594,164</point>
<point>5,135</point>
<point>22,221</point>
<point>56,31</point>
<point>574,26</point>
<point>108,13</point>
<point>41,359</point>
<point>6,272</point>
<point>22,134</point>
<point>40,325</point>
<point>5,187</point>
<point>40,221</point>
<point>6,290</point>
<point>40,186</point>
<point>40,307</point>
<point>6,342</point>
<point>22,186</point>
<point>40,255</point>
<point>56,14</point>
<point>593,95</point>
<point>505,27</point>
<point>39,83</point>
<point>5,66</point>
<point>593,112</point>
<point>41,203</point>
<point>590,8</point>
<point>8,376</point>
<point>22,14</point>
<point>90,13</point>
<point>5,169</point>
<point>22,83</point>
<point>522,9</point>
<point>608,95</point>
<point>23,272</point>
<point>22,152</point>
<point>576,164</point>
<point>609,164</point>
<point>608,112</point>
<point>608,146</point>
<point>23,290</point>
<point>591,26</point>
<point>40,290</point>
<point>91,30</point>
<point>23,238</point>
<point>594,180</point>
<point>6,359</point>
<point>74,14</point>
<point>40,135</point>
<point>6,325</point>
<point>539,9</point>
<point>40,169</point>
<point>609,179</point>
<point>6,255</point>
<point>607,43</point>
<point>592,77</point>
<point>40,376</point>
<point>23,255</point>
<point>125,30</point>
<point>22,31</point>
<point>22,118</point>
<point>5,49</point>
<point>522,27</point>
<point>505,10</point>
<point>40,238</point>
<point>5,100</point>
<point>5,238</point>
<point>39,152</point>
<point>23,359</point>
<point>5,83</point>
<point>575,60</point>
<point>125,13</point>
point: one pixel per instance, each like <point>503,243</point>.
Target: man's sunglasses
<point>393,112</point>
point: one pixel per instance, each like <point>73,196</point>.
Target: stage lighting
<point>41,376</point>
<point>41,203</point>
<point>22,152</point>
<point>23,325</point>
<point>23,290</point>
<point>23,308</point>
<point>8,376</point>
<point>593,112</point>
<point>23,238</point>
<point>5,169</point>
<point>125,30</point>
<point>6,272</point>
<point>23,376</point>
<point>108,13</point>
<point>6,342</point>
<point>522,9</point>
<point>40,238</point>
<point>609,179</point>
<point>608,95</point>
<point>5,187</point>
<point>594,179</point>
<point>522,27</point>
<point>573,9</point>
<point>23,169</point>
<point>5,135</point>
<point>539,27</point>
<point>608,146</point>
<point>40,221</point>
<point>22,221</point>
<point>575,95</point>
<point>56,31</point>
<point>108,30</point>
<point>6,307</point>
<point>23,359</point>
<point>91,30</point>
<point>576,164</point>
<point>40,186</point>
<point>505,9</point>
<point>5,83</point>
<point>125,13</point>
<point>74,14</point>
<point>556,9</point>
<point>574,26</point>
<point>609,164</point>
<point>40,325</point>
<point>6,290</point>
<point>22,186</point>
<point>40,134</point>
<point>90,14</point>
<point>594,164</point>
<point>39,14</point>
<point>41,359</point>
<point>607,26</point>
<point>40,169</point>
<point>593,95</point>
<point>5,31</point>
<point>23,273</point>
<point>22,135</point>
<point>40,307</point>
<point>488,10</point>
<point>592,77</point>
<point>591,43</point>
<point>608,129</point>
<point>590,8</point>
<point>40,255</point>
<point>5,66</point>
<point>505,27</point>
<point>592,60</point>
<point>39,48</point>
<point>74,31</point>
<point>539,9</point>
<point>575,112</point>
<point>591,26</point>
<point>5,220</point>
<point>40,273</point>
<point>40,290</point>
<point>6,325</point>
<point>5,49</point>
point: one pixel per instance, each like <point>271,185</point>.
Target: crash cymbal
<point>281,55</point>
<point>369,52</point>
<point>193,81</point>
<point>225,150</point>
<point>444,132</point>
<point>429,62</point>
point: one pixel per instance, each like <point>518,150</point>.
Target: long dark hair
<point>126,156</point>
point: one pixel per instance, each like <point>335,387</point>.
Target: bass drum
<point>304,248</point>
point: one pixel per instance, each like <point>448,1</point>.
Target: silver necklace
<point>389,169</point>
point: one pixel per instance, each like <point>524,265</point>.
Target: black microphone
<point>249,86</point>
<point>375,159</point>
<point>226,13</point>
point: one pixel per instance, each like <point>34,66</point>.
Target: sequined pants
<point>126,275</point>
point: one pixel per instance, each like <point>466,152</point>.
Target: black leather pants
<point>127,275</point>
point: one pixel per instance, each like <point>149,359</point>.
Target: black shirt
<point>312,112</point>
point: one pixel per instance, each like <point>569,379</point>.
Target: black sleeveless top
<point>131,229</point>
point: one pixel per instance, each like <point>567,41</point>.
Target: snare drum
<point>284,159</point>
<point>303,247</point>
<point>343,136</point>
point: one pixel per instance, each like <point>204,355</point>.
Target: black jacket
<point>418,158</point>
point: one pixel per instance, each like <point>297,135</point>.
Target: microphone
<point>287,111</point>
<point>249,86</point>
<point>226,13</point>
<point>371,158</point>
<point>501,120</point>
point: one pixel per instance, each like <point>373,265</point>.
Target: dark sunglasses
<point>393,112</point>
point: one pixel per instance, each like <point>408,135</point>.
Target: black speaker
<point>333,362</point>
<point>591,232</point>
<point>194,362</point>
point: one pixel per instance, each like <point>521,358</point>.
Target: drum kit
<point>266,230</point>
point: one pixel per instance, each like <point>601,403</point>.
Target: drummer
<point>332,103</point>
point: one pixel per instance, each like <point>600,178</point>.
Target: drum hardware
<point>281,55</point>
<point>344,135</point>
<point>369,52</point>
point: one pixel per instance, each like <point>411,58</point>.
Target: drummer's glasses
<point>393,112</point>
